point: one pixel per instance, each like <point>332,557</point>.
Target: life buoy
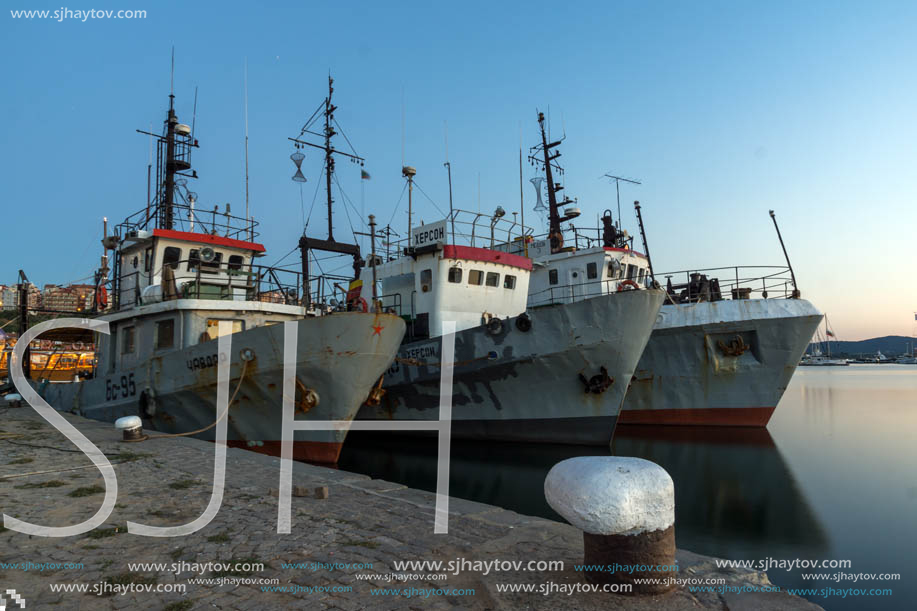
<point>524,323</point>
<point>494,326</point>
<point>624,283</point>
<point>363,305</point>
<point>101,298</point>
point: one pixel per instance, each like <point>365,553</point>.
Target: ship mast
<point>173,159</point>
<point>548,160</point>
<point>329,245</point>
<point>329,151</point>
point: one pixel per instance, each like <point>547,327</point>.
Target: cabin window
<point>127,340</point>
<point>493,279</point>
<point>426,280</point>
<point>592,270</point>
<point>640,276</point>
<point>165,334</point>
<point>213,328</point>
<point>509,282</point>
<point>235,262</point>
<point>171,257</point>
<point>455,274</point>
<point>194,259</point>
<point>552,276</point>
<point>147,259</point>
<point>631,272</point>
<point>476,277</point>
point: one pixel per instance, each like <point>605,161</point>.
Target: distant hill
<point>890,345</point>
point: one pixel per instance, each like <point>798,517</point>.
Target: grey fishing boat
<point>178,273</point>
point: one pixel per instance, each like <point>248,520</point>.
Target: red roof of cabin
<point>206,238</point>
<point>471,253</point>
<point>630,250</point>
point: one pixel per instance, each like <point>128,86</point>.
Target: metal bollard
<point>626,510</point>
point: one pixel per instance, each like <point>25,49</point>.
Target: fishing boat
<point>722,351</point>
<point>551,372</point>
<point>179,271</point>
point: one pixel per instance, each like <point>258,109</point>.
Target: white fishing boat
<point>722,351</point>
<point>179,272</point>
<point>556,373</point>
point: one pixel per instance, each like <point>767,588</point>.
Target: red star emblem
<point>377,330</point>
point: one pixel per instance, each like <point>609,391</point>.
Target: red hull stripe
<point>715,416</point>
<point>470,253</point>
<point>204,238</point>
<point>633,252</point>
<point>311,451</point>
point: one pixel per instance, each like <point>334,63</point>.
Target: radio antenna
<point>402,126</point>
<point>618,180</point>
<point>245,104</point>
<point>149,177</point>
<point>194,113</point>
<point>449,173</point>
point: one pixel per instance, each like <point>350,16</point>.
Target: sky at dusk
<point>723,110</point>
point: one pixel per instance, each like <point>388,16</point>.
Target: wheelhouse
<point>444,281</point>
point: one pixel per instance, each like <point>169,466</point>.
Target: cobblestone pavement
<point>44,479</point>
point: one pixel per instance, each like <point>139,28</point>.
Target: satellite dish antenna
<point>297,158</point>
<point>207,254</point>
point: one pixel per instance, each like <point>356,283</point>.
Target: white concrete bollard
<point>626,510</point>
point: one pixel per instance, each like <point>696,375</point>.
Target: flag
<point>364,174</point>
<point>829,333</point>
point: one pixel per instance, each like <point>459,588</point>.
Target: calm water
<point>833,477</point>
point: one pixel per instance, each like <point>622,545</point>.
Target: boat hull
<point>339,357</point>
<point>723,363</point>
<point>531,388</point>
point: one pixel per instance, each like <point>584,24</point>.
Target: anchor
<point>736,347</point>
<point>598,383</point>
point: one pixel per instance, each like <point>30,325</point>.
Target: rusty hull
<point>530,387</point>
<point>724,363</point>
<point>339,357</point>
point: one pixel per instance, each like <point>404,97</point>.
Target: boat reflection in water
<point>734,495</point>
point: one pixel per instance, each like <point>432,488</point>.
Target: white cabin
<point>573,275</point>
<point>445,282</point>
<point>174,287</point>
<point>202,265</point>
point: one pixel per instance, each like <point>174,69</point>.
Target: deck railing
<point>465,228</point>
<point>228,282</point>
<point>737,282</point>
<point>194,219</point>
